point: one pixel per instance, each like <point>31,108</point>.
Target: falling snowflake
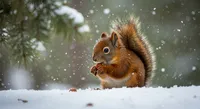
<point>162,69</point>
<point>181,21</point>
<point>163,42</point>
<point>91,11</point>
<point>153,12</point>
<point>193,12</point>
<point>106,11</point>
<point>194,68</point>
<point>83,78</point>
<point>178,30</point>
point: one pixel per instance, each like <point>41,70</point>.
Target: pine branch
<point>26,20</point>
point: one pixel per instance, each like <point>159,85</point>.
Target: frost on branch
<point>73,14</point>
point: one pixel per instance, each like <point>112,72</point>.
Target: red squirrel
<point>124,58</point>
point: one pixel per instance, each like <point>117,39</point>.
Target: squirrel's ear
<point>103,35</point>
<point>114,38</point>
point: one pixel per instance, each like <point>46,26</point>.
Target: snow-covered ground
<point>122,98</point>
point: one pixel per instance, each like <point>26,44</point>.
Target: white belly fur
<point>116,82</point>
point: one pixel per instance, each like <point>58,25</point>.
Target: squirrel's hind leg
<point>133,81</point>
<point>105,85</point>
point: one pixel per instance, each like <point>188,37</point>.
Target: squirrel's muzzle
<point>94,58</point>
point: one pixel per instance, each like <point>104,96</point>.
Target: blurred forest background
<point>47,44</point>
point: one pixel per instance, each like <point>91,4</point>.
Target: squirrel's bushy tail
<point>133,39</point>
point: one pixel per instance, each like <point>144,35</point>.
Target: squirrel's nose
<point>94,58</point>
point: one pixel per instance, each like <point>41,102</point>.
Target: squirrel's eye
<point>106,50</point>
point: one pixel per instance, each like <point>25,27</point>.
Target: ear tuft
<point>114,38</point>
<point>104,35</point>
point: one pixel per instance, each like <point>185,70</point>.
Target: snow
<point>18,79</point>
<point>72,13</point>
<point>84,28</point>
<point>91,11</point>
<point>193,12</point>
<point>178,30</point>
<point>194,68</point>
<point>82,78</point>
<point>162,69</point>
<point>181,21</point>
<point>4,34</point>
<point>40,46</point>
<point>106,11</point>
<point>153,12</point>
<point>97,31</point>
<point>163,42</point>
<point>121,98</point>
<point>1,11</point>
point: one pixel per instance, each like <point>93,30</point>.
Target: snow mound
<point>122,98</point>
<point>72,13</point>
<point>84,28</point>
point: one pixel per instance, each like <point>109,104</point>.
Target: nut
<point>72,90</point>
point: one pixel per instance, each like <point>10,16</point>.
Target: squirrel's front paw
<point>100,68</point>
<point>93,70</point>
